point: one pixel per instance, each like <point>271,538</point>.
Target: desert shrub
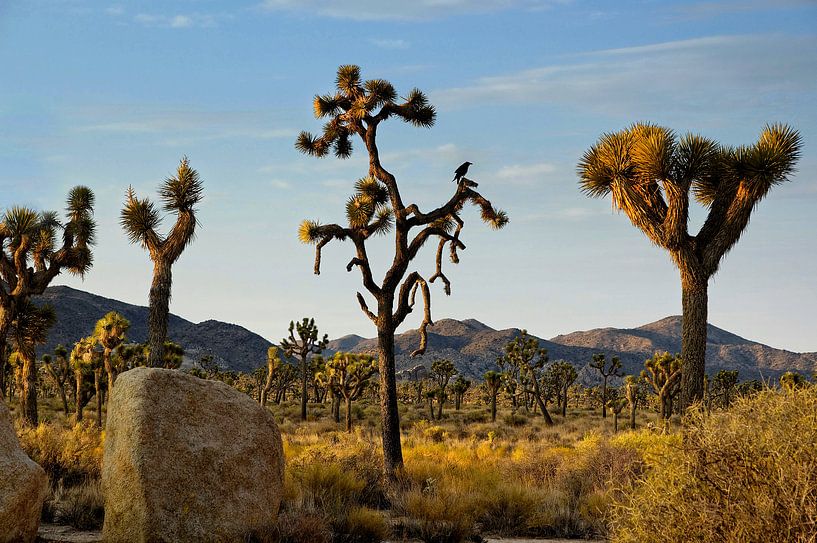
<point>68,455</point>
<point>360,525</point>
<point>80,506</point>
<point>301,527</point>
<point>743,475</point>
<point>510,509</point>
<point>435,516</point>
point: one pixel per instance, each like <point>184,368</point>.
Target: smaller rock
<point>23,487</point>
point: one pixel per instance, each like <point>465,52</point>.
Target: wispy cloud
<point>706,10</point>
<point>418,10</point>
<point>525,174</point>
<point>390,43</point>
<point>191,20</point>
<point>180,127</point>
<point>679,77</point>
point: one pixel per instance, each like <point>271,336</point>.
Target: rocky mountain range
<point>470,344</point>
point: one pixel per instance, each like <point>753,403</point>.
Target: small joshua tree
<point>606,370</point>
<point>30,329</point>
<point>140,219</point>
<point>273,364</point>
<point>59,370</point>
<point>351,373</point>
<point>616,405</point>
<point>792,380</point>
<point>303,347</point>
<point>110,333</point>
<point>32,255</point>
<point>460,387</point>
<point>650,172</point>
<point>562,375</point>
<point>442,371</point>
<point>376,207</point>
<point>524,354</point>
<point>724,383</point>
<point>493,381</point>
<point>663,374</point>
<point>631,393</point>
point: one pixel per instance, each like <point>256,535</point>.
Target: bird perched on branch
<point>460,172</point>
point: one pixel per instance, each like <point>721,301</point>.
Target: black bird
<point>460,172</point>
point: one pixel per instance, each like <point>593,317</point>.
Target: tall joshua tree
<point>59,369</point>
<point>650,172</point>
<point>32,254</point>
<point>442,371</point>
<point>606,370</point>
<point>351,373</point>
<point>110,332</point>
<point>376,207</point>
<point>140,218</point>
<point>302,347</point>
<point>493,381</point>
<point>30,329</point>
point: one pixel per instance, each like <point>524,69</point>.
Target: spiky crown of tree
<point>350,371</point>
<point>110,330</point>
<point>31,326</point>
<point>307,341</point>
<point>521,352</point>
<point>31,253</point>
<point>649,172</point>
<point>376,207</point>
<point>662,370</point>
<point>140,217</point>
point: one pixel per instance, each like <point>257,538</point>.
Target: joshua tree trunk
<point>390,418</point>
<point>78,405</point>
<point>632,415</point>
<point>349,414</point>
<point>5,325</point>
<point>493,407</point>
<point>615,421</point>
<point>694,301</point>
<point>304,387</point>
<point>542,407</point>
<point>109,369</point>
<point>604,398</point>
<point>336,408</point>
<point>440,402</point>
<point>64,400</point>
<point>28,396</point>
<point>98,389</point>
<point>159,311</point>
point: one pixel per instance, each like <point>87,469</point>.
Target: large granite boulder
<point>23,487</point>
<point>187,460</point>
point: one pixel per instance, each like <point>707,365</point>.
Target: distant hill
<point>232,346</point>
<point>470,344</point>
<point>474,348</point>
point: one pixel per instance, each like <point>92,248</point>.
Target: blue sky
<point>113,94</point>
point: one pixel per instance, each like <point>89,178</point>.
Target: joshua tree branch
<point>426,315</point>
<point>439,273</point>
<point>362,301</point>
<point>405,305</point>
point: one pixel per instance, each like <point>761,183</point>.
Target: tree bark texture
<point>694,300</point>
<point>390,419</point>
<point>159,310</point>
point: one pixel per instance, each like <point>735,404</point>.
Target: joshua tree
<point>493,380</point>
<point>650,173</point>
<point>302,347</point>
<point>273,364</point>
<point>351,373</point>
<point>30,329</point>
<point>442,371</point>
<point>110,333</point>
<point>562,375</point>
<point>663,374</point>
<point>600,363</point>
<point>31,255</point>
<point>524,354</point>
<point>616,405</point>
<point>460,387</point>
<point>792,380</point>
<point>725,382</point>
<point>85,358</point>
<point>631,392</point>
<point>59,369</point>
<point>376,207</point>
<point>140,218</point>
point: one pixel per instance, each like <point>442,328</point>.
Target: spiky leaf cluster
<point>354,106</point>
